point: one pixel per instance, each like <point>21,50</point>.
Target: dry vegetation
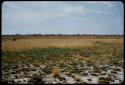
<point>55,71</point>
<point>45,42</point>
<point>72,57</point>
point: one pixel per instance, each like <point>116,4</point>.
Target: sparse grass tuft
<point>55,72</point>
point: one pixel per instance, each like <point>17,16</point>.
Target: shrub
<point>55,72</point>
<point>14,39</point>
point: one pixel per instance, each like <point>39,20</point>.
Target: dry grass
<point>55,71</point>
<point>89,51</point>
<point>21,44</point>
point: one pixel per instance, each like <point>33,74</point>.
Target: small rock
<point>115,72</point>
<point>94,74</point>
<point>120,77</point>
<point>54,82</point>
<point>18,80</point>
<point>115,82</point>
<point>64,76</point>
<point>56,79</point>
<point>89,79</point>
<point>70,80</point>
<point>117,69</point>
<point>48,80</point>
<point>42,66</point>
<point>77,78</point>
<point>85,74</point>
<point>13,77</point>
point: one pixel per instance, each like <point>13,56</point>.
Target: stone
<point>89,79</point>
<point>115,82</point>
<point>18,80</point>
<point>120,77</point>
<point>56,79</point>
<point>54,82</point>
<point>13,77</point>
<point>117,69</point>
<point>115,72</point>
<point>42,66</point>
<point>70,80</point>
<point>64,76</point>
<point>26,68</point>
<point>94,74</point>
<point>26,80</point>
<point>105,80</point>
<point>85,74</point>
<point>91,67</point>
<point>77,78</point>
<point>48,80</point>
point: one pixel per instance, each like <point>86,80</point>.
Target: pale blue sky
<point>62,17</point>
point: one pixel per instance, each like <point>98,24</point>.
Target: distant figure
<point>14,39</point>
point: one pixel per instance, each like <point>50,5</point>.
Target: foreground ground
<point>63,61</point>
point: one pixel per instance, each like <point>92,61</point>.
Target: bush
<point>55,72</point>
<point>14,39</point>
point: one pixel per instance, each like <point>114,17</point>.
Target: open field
<point>52,41</point>
<point>63,60</point>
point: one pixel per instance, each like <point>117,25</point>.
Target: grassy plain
<point>59,42</point>
<point>62,51</point>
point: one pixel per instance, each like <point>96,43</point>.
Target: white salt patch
<point>64,76</point>
<point>70,80</point>
<point>108,71</point>
<point>42,66</point>
<point>120,77</point>
<point>94,80</point>
<point>115,82</point>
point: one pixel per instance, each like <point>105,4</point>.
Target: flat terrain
<point>62,60</point>
<point>45,42</point>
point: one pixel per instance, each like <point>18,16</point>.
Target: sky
<point>62,17</point>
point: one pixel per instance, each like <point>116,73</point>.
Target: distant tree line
<point>39,34</point>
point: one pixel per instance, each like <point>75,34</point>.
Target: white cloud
<point>102,3</point>
<point>78,19</point>
<point>51,8</point>
<point>44,9</point>
<point>26,12</point>
<point>109,4</point>
<point>47,15</point>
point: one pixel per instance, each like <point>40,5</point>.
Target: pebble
<point>77,78</point>
<point>115,82</point>
<point>48,80</point>
<point>42,66</point>
<point>70,80</point>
